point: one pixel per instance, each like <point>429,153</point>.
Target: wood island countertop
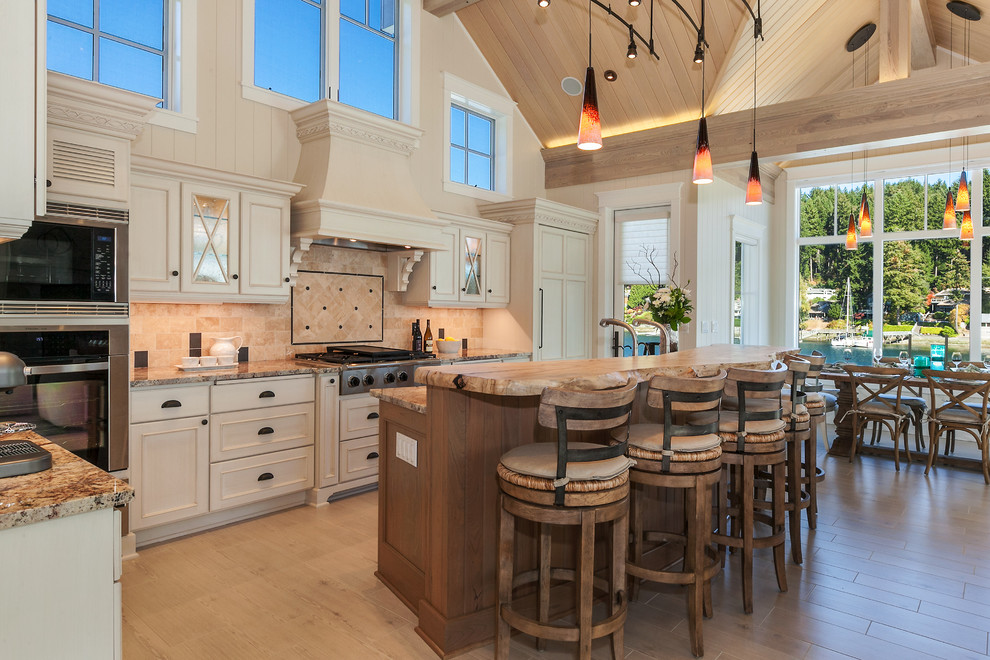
<point>530,378</point>
<point>71,486</point>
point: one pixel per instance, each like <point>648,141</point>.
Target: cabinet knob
<point>175,273</point>
<point>287,280</point>
<point>434,287</point>
<point>489,290</point>
<point>204,422</point>
<point>463,289</point>
<point>234,276</point>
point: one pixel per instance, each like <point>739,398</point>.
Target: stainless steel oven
<point>77,388</point>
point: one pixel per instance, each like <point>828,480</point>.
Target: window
<point>346,50</point>
<point>918,298</point>
<point>477,126</point>
<point>121,43</point>
<point>642,261</point>
<point>472,137</point>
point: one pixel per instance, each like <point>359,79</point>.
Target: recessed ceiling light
<point>352,240</point>
<point>611,76</point>
<point>572,86</point>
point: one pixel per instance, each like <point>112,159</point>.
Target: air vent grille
<point>63,309</point>
<point>66,210</point>
<point>83,163</point>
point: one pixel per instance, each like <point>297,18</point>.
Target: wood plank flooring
<point>899,567</point>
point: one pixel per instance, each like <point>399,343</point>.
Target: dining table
<point>841,443</point>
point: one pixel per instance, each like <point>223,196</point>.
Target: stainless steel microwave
<point>66,260</point>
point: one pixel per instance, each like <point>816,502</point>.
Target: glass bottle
<point>428,338</point>
<point>417,342</point>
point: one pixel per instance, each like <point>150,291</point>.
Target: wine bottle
<point>417,343</point>
<point>428,338</point>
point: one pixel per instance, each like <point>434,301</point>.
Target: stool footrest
<point>561,633</point>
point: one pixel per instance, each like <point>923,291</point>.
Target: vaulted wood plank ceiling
<point>803,55</point>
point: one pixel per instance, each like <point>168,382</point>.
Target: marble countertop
<point>71,486</point>
<point>156,376</point>
<point>530,378</point>
<point>411,398</point>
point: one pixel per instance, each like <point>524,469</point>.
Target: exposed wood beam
<point>922,36</point>
<point>894,30</point>
<point>441,8</point>
<point>929,106</point>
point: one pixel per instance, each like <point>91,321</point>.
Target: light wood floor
<point>899,567</point>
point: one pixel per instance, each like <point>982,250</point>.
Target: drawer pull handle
<point>265,476</point>
<point>267,394</point>
<point>172,403</point>
<point>266,430</point>
<point>372,415</point>
<point>373,455</point>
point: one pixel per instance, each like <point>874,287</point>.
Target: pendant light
<point>703,172</point>
<point>865,222</point>
<point>590,131</point>
<point>754,189</point>
<point>966,229</point>
<point>970,13</point>
<point>851,240</point>
<point>949,218</point>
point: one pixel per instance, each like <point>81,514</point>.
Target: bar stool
<point>569,483</point>
<point>818,402</point>
<point>752,439</point>
<point>688,457</point>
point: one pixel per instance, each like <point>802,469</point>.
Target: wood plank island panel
<point>466,431</point>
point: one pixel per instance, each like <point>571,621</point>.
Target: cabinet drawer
<point>359,417</point>
<point>246,480</point>
<point>250,432</point>
<point>262,393</point>
<point>358,458</point>
<point>155,404</point>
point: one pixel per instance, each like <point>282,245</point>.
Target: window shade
<point>636,229</point>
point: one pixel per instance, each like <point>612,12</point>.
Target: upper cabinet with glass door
<point>208,234</point>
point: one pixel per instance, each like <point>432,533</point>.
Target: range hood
<point>359,187</point>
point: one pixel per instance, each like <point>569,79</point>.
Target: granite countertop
<point>71,486</point>
<point>411,398</point>
<point>152,377</point>
<point>530,378</point>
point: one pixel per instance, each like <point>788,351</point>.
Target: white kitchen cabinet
<point>199,235</point>
<point>473,273</point>
<point>169,470</point>
<point>327,437</point>
<point>551,280</point>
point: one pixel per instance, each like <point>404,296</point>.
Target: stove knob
<point>353,381</point>
<point>369,380</point>
<point>390,377</point>
<point>402,376</point>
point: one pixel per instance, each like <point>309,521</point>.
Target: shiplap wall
<point>238,135</point>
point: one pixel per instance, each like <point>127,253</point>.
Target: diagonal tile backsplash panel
<point>330,308</point>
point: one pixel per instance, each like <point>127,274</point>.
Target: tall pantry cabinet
<point>551,286</point>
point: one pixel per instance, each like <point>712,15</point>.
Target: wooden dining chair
<point>868,386</point>
<point>964,410</point>
<point>914,399</point>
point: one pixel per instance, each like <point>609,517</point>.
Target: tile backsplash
<point>164,329</point>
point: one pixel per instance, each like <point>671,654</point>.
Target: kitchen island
<point>60,546</point>
<point>438,507</point>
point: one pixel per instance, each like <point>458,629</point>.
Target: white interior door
<point>750,281</point>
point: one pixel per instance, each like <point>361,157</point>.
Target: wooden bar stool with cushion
<point>818,401</point>
<point>688,457</point>
<point>876,397</point>
<point>751,440</point>
<point>572,483</point>
<point>964,409</point>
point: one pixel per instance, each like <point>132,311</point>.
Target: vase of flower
<point>672,339</point>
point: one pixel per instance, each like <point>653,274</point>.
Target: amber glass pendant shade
<point>851,241</point>
<point>865,223</point>
<point>590,133</point>
<point>703,156</point>
<point>949,218</point>
<point>754,189</point>
<point>966,230</point>
<point>962,197</point>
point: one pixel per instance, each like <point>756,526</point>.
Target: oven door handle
<point>47,369</point>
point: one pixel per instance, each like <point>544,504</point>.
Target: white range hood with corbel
<point>359,186</point>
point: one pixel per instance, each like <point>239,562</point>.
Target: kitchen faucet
<point>622,324</point>
<point>659,326</point>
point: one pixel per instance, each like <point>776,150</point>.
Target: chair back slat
<point>746,384</point>
<point>869,384</point>
<point>682,394</point>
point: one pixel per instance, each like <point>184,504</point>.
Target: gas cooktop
<point>348,355</point>
<point>367,367</point>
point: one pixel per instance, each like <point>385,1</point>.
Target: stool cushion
<point>831,400</point>
<point>763,405</point>
<point>815,400</point>
<point>650,438</point>
<point>728,422</point>
<point>957,415</point>
<point>539,459</point>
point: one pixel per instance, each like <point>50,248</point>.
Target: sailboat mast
<point>848,305</point>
